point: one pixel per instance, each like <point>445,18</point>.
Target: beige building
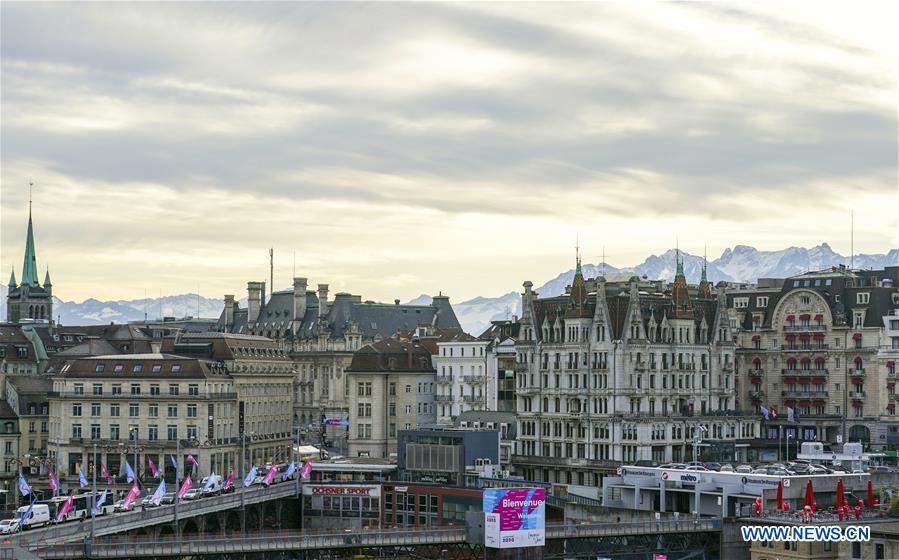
<point>814,343</point>
<point>391,387</point>
<point>139,406</point>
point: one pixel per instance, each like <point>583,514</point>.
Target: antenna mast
<point>851,239</point>
<point>271,271</point>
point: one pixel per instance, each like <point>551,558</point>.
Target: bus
<point>81,506</point>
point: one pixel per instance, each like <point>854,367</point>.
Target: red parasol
<point>780,495</point>
<point>841,499</point>
<point>809,494</point>
<point>870,495</point>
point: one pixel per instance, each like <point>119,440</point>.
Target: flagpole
<point>177,468</point>
<point>94,497</point>
<point>296,457</point>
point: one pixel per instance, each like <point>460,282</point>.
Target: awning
<point>819,317</point>
<point>806,360</point>
<point>791,360</point>
<point>756,381</point>
<point>756,360</point>
<point>805,317</point>
<point>804,337</point>
<point>819,360</point>
<point>804,402</point>
<point>857,360</point>
<point>790,317</point>
<point>891,406</point>
<point>891,363</point>
<point>819,381</point>
<point>789,380</point>
<point>756,337</point>
<point>790,337</point>
<point>856,381</point>
<point>857,336</point>
<point>856,404</point>
<point>819,402</point>
<point>890,385</point>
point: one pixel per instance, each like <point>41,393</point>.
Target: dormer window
<point>862,298</point>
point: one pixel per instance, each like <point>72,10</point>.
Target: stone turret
<point>299,300</point>
<point>254,301</point>
<point>229,312</point>
<point>322,300</point>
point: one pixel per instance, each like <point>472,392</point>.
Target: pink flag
<point>185,486</point>
<point>229,481</point>
<point>105,473</point>
<point>190,459</point>
<point>153,468</point>
<point>131,496</point>
<point>65,509</point>
<point>306,470</point>
<point>54,482</point>
<point>270,475</point>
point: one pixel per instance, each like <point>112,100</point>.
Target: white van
<point>214,488</point>
<point>40,515</point>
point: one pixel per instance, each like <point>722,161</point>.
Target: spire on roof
<point>12,278</point>
<point>29,264</point>
<point>577,258</point>
<point>680,263</point>
<point>705,262</point>
<point>47,282</point>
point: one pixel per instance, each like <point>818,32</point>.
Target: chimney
<point>322,300</point>
<point>229,312</point>
<point>254,301</point>
<point>299,298</point>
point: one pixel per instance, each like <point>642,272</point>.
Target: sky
<point>394,149</point>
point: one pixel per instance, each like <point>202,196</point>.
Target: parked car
<point>880,469</point>
<point>120,506</point>
<point>745,469</point>
<point>646,463</point>
<point>169,498</point>
<point>713,466</point>
<point>675,466</point>
<point>727,468</point>
<point>9,526</point>
<point>696,468</point>
<point>192,494</point>
<point>818,469</point>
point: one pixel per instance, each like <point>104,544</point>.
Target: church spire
<point>577,258</point>
<point>680,263</point>
<point>29,264</point>
<point>705,290</point>
<point>47,282</point>
<point>12,278</point>
<point>705,262</point>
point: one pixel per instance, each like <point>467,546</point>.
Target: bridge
<point>679,539</point>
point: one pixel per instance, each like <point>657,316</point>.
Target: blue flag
<point>290,470</point>
<point>251,476</point>
<point>156,498</point>
<point>82,480</point>
<point>25,516</point>
<point>129,472</point>
<point>765,412</point>
<point>174,463</point>
<point>209,481</point>
<point>23,486</point>
<point>100,501</point>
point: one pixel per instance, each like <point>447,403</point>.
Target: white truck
<point>215,485</point>
<point>40,516</point>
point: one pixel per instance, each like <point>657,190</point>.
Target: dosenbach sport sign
<point>514,517</point>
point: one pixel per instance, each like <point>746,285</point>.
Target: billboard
<point>514,517</point>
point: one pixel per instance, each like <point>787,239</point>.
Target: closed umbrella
<point>780,495</point>
<point>870,495</point>
<point>841,499</point>
<point>809,494</point>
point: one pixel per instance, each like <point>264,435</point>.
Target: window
<point>95,409</point>
<point>135,389</point>
<point>173,411</point>
<point>157,368</point>
<point>391,409</point>
<point>153,410</point>
<point>761,301</point>
<point>113,431</point>
<point>173,390</point>
<point>862,298</point>
<point>76,409</point>
<point>133,410</point>
<point>78,389</point>
<point>114,409</point>
<point>117,389</point>
<point>364,410</point>
<point>741,302</point>
<point>176,368</point>
<point>363,388</point>
<point>191,432</point>
<point>137,368</point>
<point>95,431</point>
<point>154,389</point>
<point>118,368</point>
<point>98,389</point>
<point>172,433</point>
<point>153,432</point>
<point>408,388</point>
<point>76,431</point>
<point>191,411</point>
<point>193,390</point>
<point>99,368</point>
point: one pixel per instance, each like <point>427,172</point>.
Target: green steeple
<point>680,265</point>
<point>12,278</point>
<point>704,278</point>
<point>47,279</point>
<point>29,265</point>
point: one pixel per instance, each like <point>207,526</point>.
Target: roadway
<point>284,541</point>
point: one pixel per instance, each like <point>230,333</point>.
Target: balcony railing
<point>756,372</point>
<point>521,368</point>
<point>858,395</point>
<point>473,379</point>
<point>857,372</point>
<point>87,397</point>
<point>807,328</point>
<point>472,399</point>
<point>443,398</point>
<point>804,348</point>
<point>805,394</point>
<point>803,372</point>
<point>444,379</point>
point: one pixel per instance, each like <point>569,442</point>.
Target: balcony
<point>804,394</point>
<point>728,367</point>
<point>857,395</point>
<point>756,373</point>
<point>756,394</point>
<point>803,348</point>
<point>473,379</point>
<point>527,390</point>
<point>521,368</point>
<point>444,379</point>
<point>805,328</point>
<point>803,373</point>
<point>88,397</point>
<point>443,398</point>
<point>857,372</point>
<point>473,399</point>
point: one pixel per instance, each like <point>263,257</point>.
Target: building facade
<point>816,349</point>
<point>321,335</point>
<point>463,377</point>
<point>620,372</point>
<point>391,388</point>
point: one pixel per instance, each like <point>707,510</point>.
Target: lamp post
<point>243,487</point>
<point>94,496</point>
<point>177,478</point>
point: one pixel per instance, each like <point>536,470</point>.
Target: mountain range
<point>740,264</point>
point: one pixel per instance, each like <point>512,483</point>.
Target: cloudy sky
<point>399,148</point>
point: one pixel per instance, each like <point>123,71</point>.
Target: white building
<point>466,378</point>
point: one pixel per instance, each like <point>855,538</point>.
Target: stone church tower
<point>29,300</point>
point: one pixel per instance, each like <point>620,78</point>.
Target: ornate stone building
<point>321,336</point>
<point>619,372</point>
<point>29,300</point>
<point>815,344</point>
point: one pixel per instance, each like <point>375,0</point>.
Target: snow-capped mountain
<point>740,264</point>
